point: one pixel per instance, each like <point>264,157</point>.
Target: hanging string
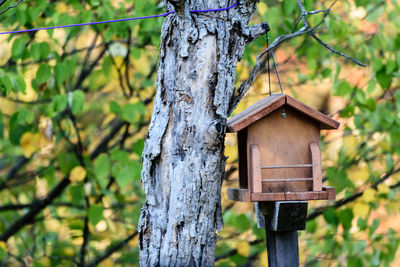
<point>119,20</point>
<point>268,70</point>
<point>271,52</point>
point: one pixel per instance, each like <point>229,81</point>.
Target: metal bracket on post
<point>282,221</point>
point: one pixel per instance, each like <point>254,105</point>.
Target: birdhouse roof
<point>269,104</point>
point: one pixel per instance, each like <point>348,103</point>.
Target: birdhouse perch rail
<point>287,166</point>
<point>256,180</point>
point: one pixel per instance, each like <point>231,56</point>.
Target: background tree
<point>75,104</point>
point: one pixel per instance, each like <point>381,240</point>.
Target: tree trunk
<point>183,159</point>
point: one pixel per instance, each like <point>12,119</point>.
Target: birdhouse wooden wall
<point>279,156</point>
<point>282,142</point>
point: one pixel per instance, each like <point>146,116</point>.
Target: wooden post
<point>283,248</point>
<point>282,221</point>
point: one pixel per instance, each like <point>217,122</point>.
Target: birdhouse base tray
<point>244,195</point>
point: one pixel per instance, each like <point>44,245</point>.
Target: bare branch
<point>353,197</point>
<point>12,5</point>
<point>111,250</point>
<point>36,208</point>
<point>336,51</point>
<point>306,29</point>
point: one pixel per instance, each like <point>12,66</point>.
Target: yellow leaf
<point>357,173</point>
<point>107,263</point>
<point>384,189</point>
<point>361,209</point>
<point>142,65</point>
<point>369,195</point>
<point>3,245</point>
<point>61,7</point>
<point>350,145</point>
<point>243,248</point>
<point>262,8</point>
<point>231,153</point>
<point>264,259</point>
<point>29,143</point>
<point>242,71</point>
<point>77,174</point>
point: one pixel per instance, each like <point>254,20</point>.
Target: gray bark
<point>183,159</point>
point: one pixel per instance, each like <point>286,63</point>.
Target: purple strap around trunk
<point>118,20</point>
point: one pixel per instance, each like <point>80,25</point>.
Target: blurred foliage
<point>75,104</point>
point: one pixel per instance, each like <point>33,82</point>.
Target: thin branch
<point>353,197</point>
<point>10,6</point>
<point>336,51</point>
<point>245,86</point>
<point>111,250</point>
<point>128,63</point>
<point>306,29</point>
<point>14,207</point>
<point>39,101</point>
<point>35,209</point>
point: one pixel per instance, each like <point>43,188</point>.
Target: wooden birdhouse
<point>279,151</point>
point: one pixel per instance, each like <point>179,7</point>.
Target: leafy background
<point>75,105</point>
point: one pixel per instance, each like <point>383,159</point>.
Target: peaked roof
<point>271,103</point>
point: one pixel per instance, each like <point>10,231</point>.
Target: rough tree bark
<point>183,159</point>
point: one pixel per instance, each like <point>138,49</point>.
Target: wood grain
<point>255,166</point>
<point>324,121</point>
<point>316,166</point>
<point>255,112</point>
<point>244,195</point>
<point>271,103</point>
<point>284,141</point>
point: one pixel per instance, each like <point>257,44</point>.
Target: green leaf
<point>6,84</point>
<point>60,73</point>
<point>16,130</point>
<point>115,107</point>
<point>78,99</point>
<point>43,73</point>
<point>330,216</point>
<point>311,226</point>
<point>102,170</point>
<point>138,147</point>
<point>95,214</point>
<point>18,47</point>
<point>119,155</point>
<point>346,218</point>
<point>3,253</point>
<point>126,172</point>
<point>133,112</point>
<point>19,84</point>
<point>60,102</point>
<point>238,259</point>
<point>347,112</point>
<point>67,161</point>
<point>36,52</point>
<point>77,194</point>
<point>45,50</point>
<point>342,88</point>
<point>121,174</point>
<point>242,223</point>
<point>377,64</point>
<point>383,78</point>
<point>25,116</point>
<point>355,262</point>
<point>136,52</point>
<point>288,6</point>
